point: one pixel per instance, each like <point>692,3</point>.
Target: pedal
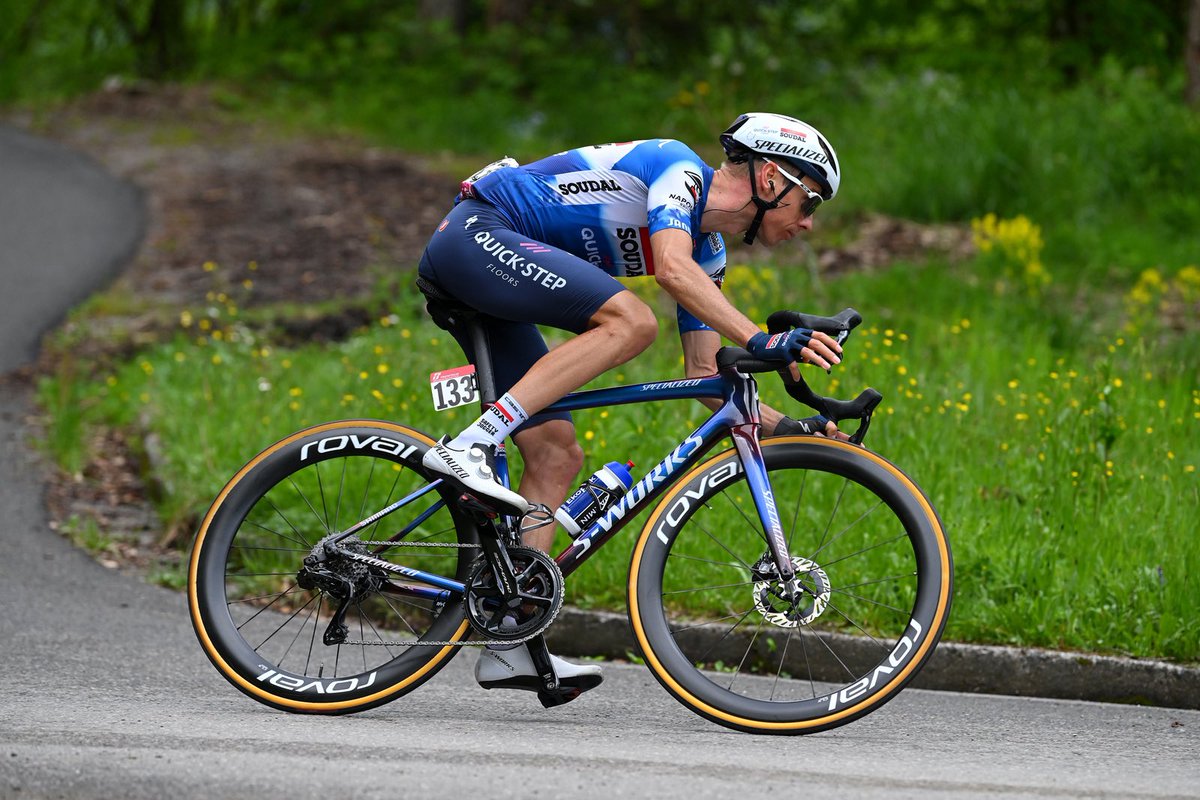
<point>474,505</point>
<point>558,697</point>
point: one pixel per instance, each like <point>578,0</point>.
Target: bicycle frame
<point>738,416</point>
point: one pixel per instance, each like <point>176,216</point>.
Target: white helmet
<point>784,139</point>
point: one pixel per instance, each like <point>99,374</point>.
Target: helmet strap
<point>763,206</point>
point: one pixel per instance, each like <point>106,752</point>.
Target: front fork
<point>746,429</point>
<point>745,439</point>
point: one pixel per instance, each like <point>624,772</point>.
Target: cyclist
<point>540,244</point>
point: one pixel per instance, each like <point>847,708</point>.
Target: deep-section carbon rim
<point>877,572</point>
<point>264,630</point>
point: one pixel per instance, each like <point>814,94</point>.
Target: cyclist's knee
<point>629,320</point>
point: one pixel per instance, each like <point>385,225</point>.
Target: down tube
<point>647,490</point>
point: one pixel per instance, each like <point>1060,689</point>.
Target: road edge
<point>953,667</point>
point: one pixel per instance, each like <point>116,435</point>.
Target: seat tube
<point>485,379</point>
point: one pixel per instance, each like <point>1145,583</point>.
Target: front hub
<point>790,604</point>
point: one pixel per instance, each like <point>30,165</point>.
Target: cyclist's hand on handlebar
<point>798,344</point>
<point>812,426</point>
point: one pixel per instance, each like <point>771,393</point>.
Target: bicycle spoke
<point>752,525</point>
<point>304,497</point>
<point>313,641</point>
<point>707,588</point>
<point>276,595</point>
<point>370,535</point>
<point>287,591</point>
<point>868,600</point>
<point>896,538</point>
<point>807,664</point>
<point>272,549</point>
<point>705,560</point>
<point>302,540</point>
<point>879,580</point>
<point>321,494</point>
<point>675,630</point>
<point>337,514</point>
<point>746,654</point>
<point>782,661</point>
<point>285,623</point>
<point>700,659</point>
<point>723,547</point>
<point>796,513</point>
<point>861,629</point>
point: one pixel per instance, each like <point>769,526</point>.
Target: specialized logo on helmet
<point>785,149</point>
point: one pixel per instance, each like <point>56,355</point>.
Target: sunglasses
<point>812,199</point>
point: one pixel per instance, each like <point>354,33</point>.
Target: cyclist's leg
<point>547,442</point>
<point>498,271</point>
<point>552,458</point>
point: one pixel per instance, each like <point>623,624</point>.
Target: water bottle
<point>594,497</point>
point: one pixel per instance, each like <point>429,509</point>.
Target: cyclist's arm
<point>681,277</point>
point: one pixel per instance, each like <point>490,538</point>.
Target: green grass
<point>1053,425</point>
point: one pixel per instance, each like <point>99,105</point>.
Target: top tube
<point>682,389</point>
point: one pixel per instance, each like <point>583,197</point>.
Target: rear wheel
<point>263,617</point>
<point>723,634</point>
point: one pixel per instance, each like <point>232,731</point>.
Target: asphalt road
<point>66,228</point>
<point>109,695</point>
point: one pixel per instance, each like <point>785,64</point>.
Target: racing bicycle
<point>783,585</point>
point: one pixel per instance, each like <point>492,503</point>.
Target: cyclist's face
<point>783,223</point>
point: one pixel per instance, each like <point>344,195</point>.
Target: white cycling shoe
<point>514,669</point>
<point>474,468</point>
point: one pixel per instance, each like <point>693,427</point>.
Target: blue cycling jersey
<point>604,202</point>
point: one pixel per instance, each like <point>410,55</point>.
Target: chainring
<point>540,593</point>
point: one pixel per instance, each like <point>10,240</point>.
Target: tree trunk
<point>170,49</point>
<point>507,12</point>
<point>453,12</point>
<point>1192,55</point>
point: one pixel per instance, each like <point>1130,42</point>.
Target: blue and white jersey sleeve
<point>676,188</point>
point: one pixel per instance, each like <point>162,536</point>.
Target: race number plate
<point>453,387</point>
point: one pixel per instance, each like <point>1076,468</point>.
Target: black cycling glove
<point>809,425</point>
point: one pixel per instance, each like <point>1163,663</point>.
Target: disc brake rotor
<point>786,606</point>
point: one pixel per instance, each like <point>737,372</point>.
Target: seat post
<point>485,376</point>
<point>450,314</point>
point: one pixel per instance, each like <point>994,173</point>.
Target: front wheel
<point>304,631</point>
<point>727,638</point>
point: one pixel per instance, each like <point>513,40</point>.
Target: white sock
<point>499,420</point>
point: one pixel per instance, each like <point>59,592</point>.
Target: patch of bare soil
<point>284,219</point>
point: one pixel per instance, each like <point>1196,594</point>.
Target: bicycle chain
<point>380,563</point>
